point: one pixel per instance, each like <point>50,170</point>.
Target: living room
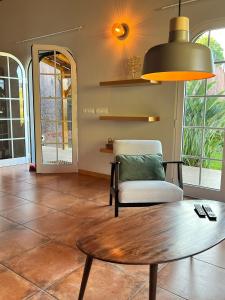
<point>112,122</point>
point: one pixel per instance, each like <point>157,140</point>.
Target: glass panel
<point>49,154</point>
<point>4,88</point>
<point>64,154</point>
<point>15,69</point>
<point>216,85</point>
<point>48,132</point>
<point>192,141</point>
<point>5,150</point>
<point>5,129</point>
<point>47,85</point>
<point>3,66</point>
<point>48,109</point>
<point>215,112</point>
<point>217,44</point>
<point>64,109</point>
<point>194,112</point>
<point>64,132</point>
<point>18,128</point>
<point>195,88</point>
<point>4,109</point>
<point>66,86</point>
<point>17,109</point>
<point>213,145</point>
<point>203,39</point>
<point>19,148</point>
<point>211,174</point>
<point>191,170</point>
<point>16,88</point>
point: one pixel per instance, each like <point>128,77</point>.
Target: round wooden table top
<point>159,234</point>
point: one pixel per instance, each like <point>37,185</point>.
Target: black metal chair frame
<point>114,185</point>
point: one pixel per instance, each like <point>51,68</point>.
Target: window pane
<point>5,129</point>
<point>17,109</point>
<point>18,128</point>
<point>194,111</point>
<point>203,39</point>
<point>215,112</point>
<point>4,109</point>
<point>19,148</point>
<point>47,85</point>
<point>192,141</point>
<point>213,144</point>
<point>3,66</point>
<point>4,88</point>
<point>15,69</point>
<point>48,132</point>
<point>64,109</point>
<point>211,174</point>
<point>5,150</point>
<point>64,154</point>
<point>49,154</point>
<point>191,170</point>
<point>216,85</point>
<point>64,132</point>
<point>217,44</point>
<point>195,88</point>
<point>16,88</point>
<point>48,109</point>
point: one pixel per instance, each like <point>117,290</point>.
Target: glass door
<point>55,109</point>
<point>14,144</point>
<point>204,126</point>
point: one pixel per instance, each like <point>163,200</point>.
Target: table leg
<point>86,273</point>
<point>153,281</point>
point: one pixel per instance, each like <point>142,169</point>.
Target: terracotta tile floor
<point>41,216</point>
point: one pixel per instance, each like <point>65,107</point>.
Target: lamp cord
<point>179,11</point>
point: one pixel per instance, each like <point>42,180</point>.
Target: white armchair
<point>142,192</point>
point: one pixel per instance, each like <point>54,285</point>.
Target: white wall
<point>100,58</point>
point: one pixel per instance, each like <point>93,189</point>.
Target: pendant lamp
<point>179,59</point>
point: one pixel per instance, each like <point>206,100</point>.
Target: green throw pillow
<point>140,167</point>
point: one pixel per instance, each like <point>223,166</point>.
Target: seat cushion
<point>143,191</point>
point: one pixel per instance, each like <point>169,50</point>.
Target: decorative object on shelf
<point>130,118</point>
<point>128,82</point>
<point>120,30</point>
<point>179,59</point>
<point>134,65</point>
<point>109,145</point>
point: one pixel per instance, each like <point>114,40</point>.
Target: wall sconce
<point>120,31</point>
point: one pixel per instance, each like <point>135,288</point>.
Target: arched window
<point>13,125</point>
<point>204,120</point>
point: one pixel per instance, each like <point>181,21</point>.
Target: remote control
<point>200,211</point>
<point>210,214</point>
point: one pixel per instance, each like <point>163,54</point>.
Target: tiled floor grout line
<point>26,279</point>
<point>173,293</point>
<point>206,262</point>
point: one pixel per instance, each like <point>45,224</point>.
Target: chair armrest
<point>114,179</point>
<point>179,170</point>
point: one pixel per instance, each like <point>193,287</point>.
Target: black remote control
<point>210,214</point>
<point>200,211</point>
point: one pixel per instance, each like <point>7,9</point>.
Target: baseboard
<point>93,174</point>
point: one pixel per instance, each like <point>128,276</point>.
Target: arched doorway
<point>14,135</point>
<point>55,109</point>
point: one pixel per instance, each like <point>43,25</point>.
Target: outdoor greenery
<point>205,111</point>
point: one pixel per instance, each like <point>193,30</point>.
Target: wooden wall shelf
<point>130,118</point>
<point>128,82</point>
<point>106,150</point>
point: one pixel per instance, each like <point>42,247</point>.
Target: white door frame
<point>48,168</point>
<point>25,159</point>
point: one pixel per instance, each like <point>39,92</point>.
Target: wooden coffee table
<point>160,234</point>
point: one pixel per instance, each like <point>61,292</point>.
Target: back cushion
<point>140,167</point>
